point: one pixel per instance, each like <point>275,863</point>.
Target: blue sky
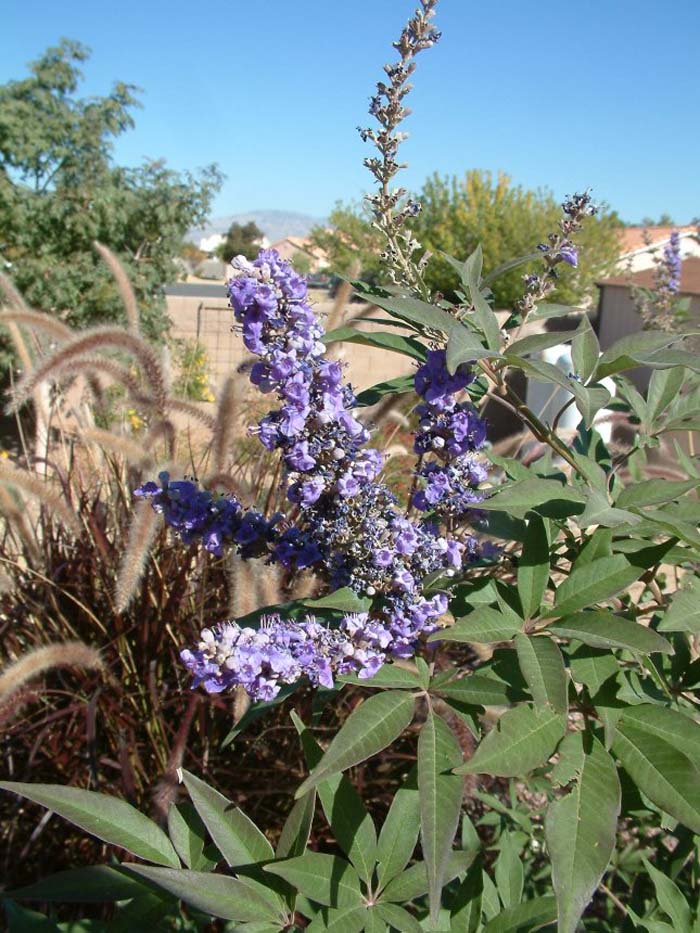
<point>569,95</point>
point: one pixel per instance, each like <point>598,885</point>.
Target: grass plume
<point>143,529</point>
<point>125,287</point>
<point>38,321</point>
<point>49,657</point>
<point>39,489</point>
<point>225,422</point>
<point>96,339</point>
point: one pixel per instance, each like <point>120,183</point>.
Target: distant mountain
<point>274,224</point>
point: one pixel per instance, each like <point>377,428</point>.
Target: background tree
<point>350,240</point>
<point>60,191</point>
<point>241,240</point>
<point>460,213</point>
<point>664,220</point>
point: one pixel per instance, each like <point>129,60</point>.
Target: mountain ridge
<point>275,224</point>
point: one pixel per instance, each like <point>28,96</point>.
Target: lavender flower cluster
<point>282,651</point>
<point>558,248</point>
<point>320,439</point>
<point>450,432</point>
<point>346,524</point>
<point>668,270</point>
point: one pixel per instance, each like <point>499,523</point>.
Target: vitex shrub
<point>574,574</point>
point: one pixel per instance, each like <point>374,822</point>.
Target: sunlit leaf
<point>667,776</point>
<point>368,729</point>
<point>524,738</point>
<point>326,879</point>
<point>236,836</point>
<point>218,895</point>
<point>581,827</point>
<point>543,669</point>
<point>440,794</point>
<point>603,629</point>
<point>110,819</point>
<point>399,833</point>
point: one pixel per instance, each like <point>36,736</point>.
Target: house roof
<point>690,277</point>
<point>634,239</point>
<point>302,243</point>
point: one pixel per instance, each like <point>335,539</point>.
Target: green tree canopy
<point>460,213</point>
<point>60,191</point>
<point>241,240</point>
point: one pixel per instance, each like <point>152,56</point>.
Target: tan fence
<point>209,321</point>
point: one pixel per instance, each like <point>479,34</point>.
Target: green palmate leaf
<point>397,343</point>
<point>508,872</point>
<point>490,901</point>
<point>297,827</point>
<point>602,629</point>
<point>593,583</point>
<point>683,615</point>
<point>482,626</point>
<point>399,834</point>
<point>661,771</point>
<point>665,522</point>
<point>589,400</point>
<point>465,915</point>
<point>664,387</point>
<point>112,820</point>
<point>585,350</point>
<point>398,918</point>
<point>188,834</point>
<point>592,667</point>
<point>599,511</point>
<point>236,836</point>
<point>581,827</point>
<point>523,739</point>
<point>476,690</point>
<point>340,920</point>
<point>633,350</point>
<point>670,899</point>
<point>485,319</point>
<point>543,669</point>
<point>22,920</point>
<point>463,346</point>
<point>536,342</point>
<point>375,923</point>
<point>673,727</point>
<point>145,912</point>
<point>218,895</point>
<point>533,567</point>
<point>440,793</point>
<point>473,267</point>
<point>350,822</point>
<point>368,729</point>
<point>654,492</point>
<point>598,545</point>
<point>389,675</point>
<point>414,311</point>
<point>94,884</point>
<point>344,600</point>
<point>326,879</point>
<point>542,371</point>
<point>414,883</point>
<point>520,498</point>
<point>532,915</point>
<point>400,385</point>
